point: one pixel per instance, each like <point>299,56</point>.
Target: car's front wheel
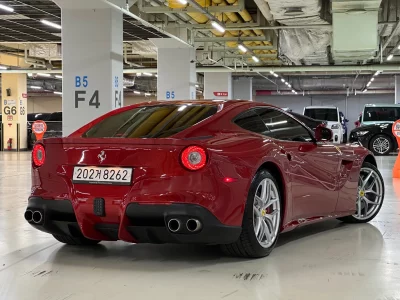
<point>370,194</point>
<point>261,220</point>
<point>381,144</point>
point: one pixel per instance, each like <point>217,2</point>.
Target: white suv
<point>329,114</point>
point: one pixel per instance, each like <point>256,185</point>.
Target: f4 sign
<point>81,95</point>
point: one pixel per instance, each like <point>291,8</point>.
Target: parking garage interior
<point>65,63</point>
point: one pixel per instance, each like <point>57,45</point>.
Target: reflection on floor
<point>322,261</point>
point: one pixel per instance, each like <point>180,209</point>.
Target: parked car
<point>376,137</point>
<point>380,113</point>
<point>232,173</point>
<point>54,126</point>
<point>329,114</point>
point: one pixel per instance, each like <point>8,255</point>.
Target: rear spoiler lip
<point>126,141</point>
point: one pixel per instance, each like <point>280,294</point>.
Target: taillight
<point>38,155</point>
<point>194,158</point>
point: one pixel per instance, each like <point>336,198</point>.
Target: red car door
<point>313,167</point>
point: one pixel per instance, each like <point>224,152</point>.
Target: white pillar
<point>397,89</point>
<point>14,107</point>
<point>176,68</point>
<point>243,88</point>
<point>92,41</point>
<point>217,85</point>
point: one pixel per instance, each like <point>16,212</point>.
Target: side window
<point>251,121</point>
<point>283,127</point>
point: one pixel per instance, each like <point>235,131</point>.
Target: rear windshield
<point>151,121</point>
<point>326,114</point>
<point>379,114</point>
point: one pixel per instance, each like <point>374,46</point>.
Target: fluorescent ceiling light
<point>218,26</point>
<point>147,94</point>
<point>58,93</point>
<point>255,58</point>
<point>182,1</point>
<point>138,74</point>
<point>137,92</point>
<point>7,8</point>
<point>369,83</point>
<point>3,68</point>
<point>365,90</point>
<point>44,74</point>
<point>276,75</point>
<point>148,74</point>
<point>289,85</point>
<point>35,87</point>
<point>372,79</point>
<point>156,75</point>
<point>30,74</point>
<point>242,48</point>
<point>293,91</point>
<point>271,72</point>
<point>58,76</point>
<point>51,24</point>
<point>398,47</point>
<point>197,85</point>
<point>390,57</point>
<point>283,80</point>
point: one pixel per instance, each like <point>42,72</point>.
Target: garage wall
<point>355,104</point>
<point>50,104</point>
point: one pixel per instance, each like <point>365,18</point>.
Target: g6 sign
<point>10,110</point>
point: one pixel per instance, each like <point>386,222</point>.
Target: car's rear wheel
<point>381,144</point>
<point>75,241</point>
<point>261,220</point>
<point>371,192</point>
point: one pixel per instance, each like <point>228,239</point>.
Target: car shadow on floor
<point>119,255</point>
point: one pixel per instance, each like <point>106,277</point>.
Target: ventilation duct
<point>355,29</point>
<point>46,51</point>
<point>306,46</point>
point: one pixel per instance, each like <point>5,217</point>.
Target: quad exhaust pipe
<point>174,225</point>
<point>34,216</point>
<point>192,225</point>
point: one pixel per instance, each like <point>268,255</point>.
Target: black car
<point>54,126</point>
<point>376,137</point>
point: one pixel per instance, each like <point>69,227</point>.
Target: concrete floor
<point>329,260</point>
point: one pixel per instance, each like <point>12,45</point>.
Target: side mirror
<point>323,133</point>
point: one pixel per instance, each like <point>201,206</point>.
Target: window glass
<point>55,117</point>
<point>326,114</point>
<point>251,121</point>
<point>310,123</point>
<point>282,126</point>
<point>151,121</point>
<point>379,114</point>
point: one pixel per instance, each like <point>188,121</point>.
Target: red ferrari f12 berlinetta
<point>232,173</point>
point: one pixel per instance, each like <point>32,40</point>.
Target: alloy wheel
<point>370,194</point>
<point>381,145</point>
<point>266,213</point>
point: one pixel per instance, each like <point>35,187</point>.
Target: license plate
<point>102,175</point>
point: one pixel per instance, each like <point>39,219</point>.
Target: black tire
<point>374,138</point>
<point>75,241</point>
<point>247,245</point>
<point>351,219</point>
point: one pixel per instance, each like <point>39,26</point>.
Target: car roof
<point>382,105</point>
<point>330,107</point>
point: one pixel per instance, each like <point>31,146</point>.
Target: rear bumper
<point>141,223</point>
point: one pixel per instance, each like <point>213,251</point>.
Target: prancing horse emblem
<point>101,156</point>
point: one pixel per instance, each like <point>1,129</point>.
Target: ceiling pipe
<point>304,93</point>
<point>279,70</point>
<point>389,39</point>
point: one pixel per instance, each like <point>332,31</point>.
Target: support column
<point>176,67</point>
<point>243,88</point>
<point>92,40</point>
<point>218,86</point>
<point>14,110</point>
<point>397,89</point>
